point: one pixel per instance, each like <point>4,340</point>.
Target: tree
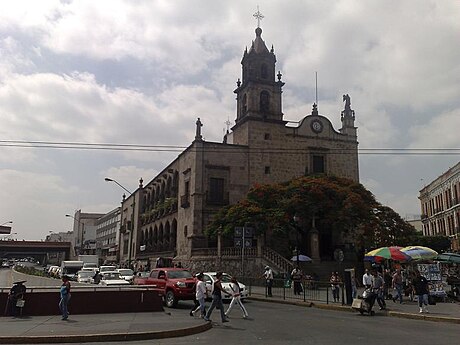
<point>339,205</point>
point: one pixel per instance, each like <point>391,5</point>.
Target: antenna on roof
<point>316,88</point>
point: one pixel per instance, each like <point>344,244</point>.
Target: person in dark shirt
<point>217,299</point>
<point>421,289</point>
<point>16,293</point>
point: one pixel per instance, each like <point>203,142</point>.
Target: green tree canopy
<point>336,203</point>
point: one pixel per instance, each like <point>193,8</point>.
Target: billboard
<point>5,229</point>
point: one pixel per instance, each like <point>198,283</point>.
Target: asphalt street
<point>278,324</point>
<point>273,323</point>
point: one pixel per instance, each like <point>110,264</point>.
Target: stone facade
<point>173,209</point>
<point>440,205</point>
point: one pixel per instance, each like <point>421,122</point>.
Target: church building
<point>167,216</point>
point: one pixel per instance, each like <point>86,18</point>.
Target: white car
<point>210,278</point>
<point>107,268</point>
<point>127,274</point>
<point>85,276</point>
<point>112,278</point>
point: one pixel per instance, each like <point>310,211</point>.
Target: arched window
<point>264,71</point>
<point>264,105</point>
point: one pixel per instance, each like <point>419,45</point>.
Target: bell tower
<point>258,94</point>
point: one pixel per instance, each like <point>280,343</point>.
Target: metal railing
<point>311,290</point>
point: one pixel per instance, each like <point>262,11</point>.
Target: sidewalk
<point>98,327</point>
<point>441,312</point>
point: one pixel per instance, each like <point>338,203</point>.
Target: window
<point>264,71</point>
<point>318,165</point>
<point>264,101</point>
<point>245,104</point>
<point>267,170</point>
<point>216,189</point>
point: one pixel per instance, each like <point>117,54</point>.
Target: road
<point>278,324</point>
<point>7,277</point>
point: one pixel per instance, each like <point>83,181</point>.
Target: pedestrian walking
<point>236,298</point>
<point>65,297</point>
<point>200,295</point>
<point>296,276</point>
<point>268,275</point>
<point>397,283</point>
<point>421,289</point>
<point>217,299</point>
<point>387,280</point>
<point>378,286</point>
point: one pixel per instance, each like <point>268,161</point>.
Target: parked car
<point>107,268</point>
<point>173,284</point>
<point>127,274</point>
<point>112,278</point>
<point>210,278</point>
<point>85,276</point>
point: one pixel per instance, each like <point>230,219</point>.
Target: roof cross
<point>258,16</point>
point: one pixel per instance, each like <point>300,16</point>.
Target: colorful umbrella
<point>393,253</point>
<point>448,258</point>
<point>420,253</point>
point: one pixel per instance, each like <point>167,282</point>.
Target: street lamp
<point>130,238</point>
<point>296,220</point>
<point>8,222</point>
<point>82,231</point>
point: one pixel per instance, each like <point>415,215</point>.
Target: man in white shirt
<point>268,275</point>
<point>367,279</point>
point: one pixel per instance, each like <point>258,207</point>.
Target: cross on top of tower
<point>258,16</point>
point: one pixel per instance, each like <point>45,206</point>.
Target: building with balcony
<point>167,215</point>
<point>440,206</point>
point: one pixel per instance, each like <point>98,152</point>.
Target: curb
<point>424,317</point>
<point>402,315</point>
<point>58,339</point>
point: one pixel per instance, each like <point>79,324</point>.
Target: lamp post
<point>8,222</point>
<point>82,231</point>
<point>130,238</point>
<point>296,220</point>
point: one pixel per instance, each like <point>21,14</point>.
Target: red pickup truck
<point>173,284</point>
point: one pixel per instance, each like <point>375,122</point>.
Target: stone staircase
<point>277,262</point>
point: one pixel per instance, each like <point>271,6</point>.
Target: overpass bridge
<point>40,250</point>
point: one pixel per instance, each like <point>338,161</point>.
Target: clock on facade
<point>316,126</point>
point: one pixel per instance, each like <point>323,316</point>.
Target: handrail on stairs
<point>277,259</point>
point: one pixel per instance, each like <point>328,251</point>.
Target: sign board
<point>238,242</point>
<point>238,231</point>
<point>5,229</point>
<point>431,272</point>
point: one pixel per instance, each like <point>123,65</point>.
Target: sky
<point>140,72</point>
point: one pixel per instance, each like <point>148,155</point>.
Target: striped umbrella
<point>420,253</point>
<point>393,253</point>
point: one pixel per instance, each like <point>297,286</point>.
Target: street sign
<point>238,242</point>
<point>243,234</point>
<point>238,231</point>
